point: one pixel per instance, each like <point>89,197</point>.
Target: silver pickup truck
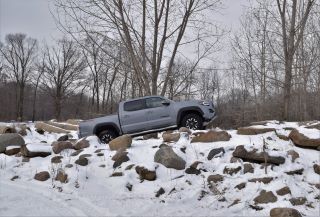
<point>149,114</point>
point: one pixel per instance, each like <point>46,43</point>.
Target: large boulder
<point>64,126</point>
<point>170,137</point>
<point>123,141</point>
<point>44,127</point>
<point>42,176</point>
<point>58,147</point>
<point>212,136</point>
<point>253,130</point>
<point>10,139</point>
<point>120,157</point>
<point>81,144</point>
<point>7,129</point>
<point>303,141</point>
<point>146,174</point>
<point>185,130</point>
<point>36,150</point>
<point>284,212</point>
<point>256,157</point>
<point>167,157</point>
<point>265,197</point>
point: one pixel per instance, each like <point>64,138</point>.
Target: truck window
<point>154,102</point>
<point>134,105</point>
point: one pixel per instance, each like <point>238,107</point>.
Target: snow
<point>41,147</point>
<point>91,191</point>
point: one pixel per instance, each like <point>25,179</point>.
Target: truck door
<point>133,116</point>
<point>160,113</point>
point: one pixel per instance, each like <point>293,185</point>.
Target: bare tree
<point>152,32</point>
<point>292,34</point>
<point>64,67</point>
<point>19,52</point>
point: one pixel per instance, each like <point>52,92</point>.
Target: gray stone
<point>284,212</point>
<point>10,139</point>
<point>216,152</point>
<point>265,197</point>
<point>167,157</point>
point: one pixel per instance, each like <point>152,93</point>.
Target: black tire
<point>107,135</point>
<point>192,121</point>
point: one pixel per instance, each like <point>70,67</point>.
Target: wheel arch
<point>188,110</point>
<point>104,126</point>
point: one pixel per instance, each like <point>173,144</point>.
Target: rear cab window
<point>134,105</point>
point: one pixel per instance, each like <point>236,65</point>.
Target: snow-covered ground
<point>91,191</point>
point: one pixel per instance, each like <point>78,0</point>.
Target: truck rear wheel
<point>107,135</point>
<point>192,121</point>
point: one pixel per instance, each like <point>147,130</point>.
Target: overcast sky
<point>33,17</point>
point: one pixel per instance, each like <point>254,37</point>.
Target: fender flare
<point>107,124</point>
<point>188,109</point>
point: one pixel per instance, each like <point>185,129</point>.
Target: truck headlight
<point>205,103</point>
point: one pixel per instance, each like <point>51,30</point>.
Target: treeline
<point>115,50</point>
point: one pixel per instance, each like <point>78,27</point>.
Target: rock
<point>7,129</point>
<point>303,141</point>
<point>146,174</point>
<point>82,161</point>
<point>40,131</point>
<point>248,168</point>
<point>14,178</point>
<point>44,127</point>
<point>57,147</point>
<point>129,186</point>
<point>56,159</point>
<point>69,166</point>
<point>150,136</point>
<point>216,152</point>
<point>295,172</point>
<point>170,137</point>
<point>253,130</point>
<point>10,139</point>
<point>30,153</point>
<point>235,160</point>
<point>265,180</point>
<point>296,201</point>
<point>100,154</point>
<point>283,137</point>
<point>215,178</point>
<point>42,176</point>
<point>12,151</point>
<point>62,177</point>
<point>195,164</point>
<point>185,130</point>
<point>76,153</point>
<point>22,132</point>
<point>192,170</point>
<point>160,192</point>
<point>81,144</point>
<point>115,174</point>
<point>256,157</point>
<point>294,155</point>
<point>283,191</point>
<point>231,171</point>
<point>63,138</point>
<point>212,136</point>
<point>120,157</point>
<point>84,156</point>
<point>265,197</point>
<point>123,141</point>
<point>241,185</point>
<point>167,157</point>
<point>316,168</point>
<point>284,212</point>
<point>183,149</point>
<point>129,167</point>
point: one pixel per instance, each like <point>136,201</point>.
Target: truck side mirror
<point>165,102</point>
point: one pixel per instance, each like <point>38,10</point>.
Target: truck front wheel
<point>107,135</point>
<point>192,121</point>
